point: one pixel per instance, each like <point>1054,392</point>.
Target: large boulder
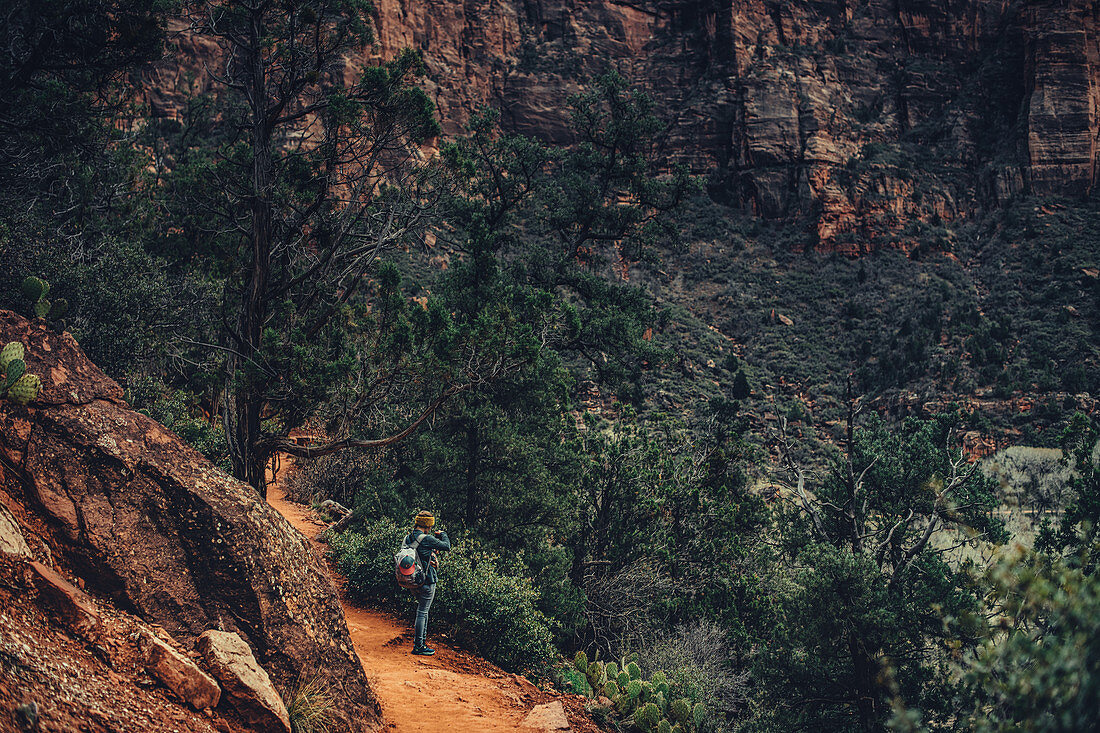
<point>246,683</point>
<point>145,519</point>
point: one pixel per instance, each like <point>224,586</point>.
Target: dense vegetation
<point>630,405</point>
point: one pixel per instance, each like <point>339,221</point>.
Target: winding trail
<point>451,692</point>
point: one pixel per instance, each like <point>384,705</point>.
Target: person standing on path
<point>430,542</point>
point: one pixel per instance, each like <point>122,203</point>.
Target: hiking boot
<point>423,650</point>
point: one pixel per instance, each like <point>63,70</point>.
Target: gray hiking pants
<point>425,594</point>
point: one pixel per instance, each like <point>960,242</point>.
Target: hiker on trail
<point>426,543</point>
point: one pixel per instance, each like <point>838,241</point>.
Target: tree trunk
<point>244,400</point>
<point>473,446</point>
<point>864,673</point>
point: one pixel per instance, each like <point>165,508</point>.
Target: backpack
<point>408,568</point>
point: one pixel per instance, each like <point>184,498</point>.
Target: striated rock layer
<point>866,118</point>
<point>143,518</point>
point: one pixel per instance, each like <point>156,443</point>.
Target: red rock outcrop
<point>148,522</point>
<point>863,117</point>
<point>178,673</point>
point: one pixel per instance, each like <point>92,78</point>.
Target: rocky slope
<point>166,548</point>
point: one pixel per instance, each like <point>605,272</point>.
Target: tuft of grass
<point>311,706</point>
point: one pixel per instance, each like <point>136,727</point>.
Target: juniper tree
<point>869,546</point>
<point>318,169</point>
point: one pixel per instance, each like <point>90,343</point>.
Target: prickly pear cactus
<point>35,288</point>
<point>15,369</point>
<point>25,389</point>
<point>658,677</point>
<point>16,384</point>
<point>634,689</point>
<point>595,675</point>
<point>699,715</point>
<point>623,679</point>
<point>647,717</point>
<point>664,727</point>
<point>610,689</point>
<point>581,662</point>
<point>611,670</point>
<point>659,701</point>
<point>634,671</point>
<point>10,353</point>
<point>681,710</point>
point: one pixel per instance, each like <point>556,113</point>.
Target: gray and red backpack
<point>408,567</point>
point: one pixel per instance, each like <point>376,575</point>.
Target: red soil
<point>453,691</point>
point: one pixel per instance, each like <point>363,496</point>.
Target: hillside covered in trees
<point>749,351</point>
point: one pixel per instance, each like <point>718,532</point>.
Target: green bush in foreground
<point>484,609</point>
<point>1040,669</point>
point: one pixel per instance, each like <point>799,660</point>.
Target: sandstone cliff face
<point>866,117</point>
<point>148,522</point>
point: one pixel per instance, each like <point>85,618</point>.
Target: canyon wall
<point>871,119</point>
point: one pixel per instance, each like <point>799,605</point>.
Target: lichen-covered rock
<point>247,685</point>
<point>151,523</point>
<point>11,538</point>
<point>178,673</point>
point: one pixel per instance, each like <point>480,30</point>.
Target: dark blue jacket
<point>428,545</point>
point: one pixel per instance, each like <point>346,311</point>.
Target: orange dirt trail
<point>452,692</point>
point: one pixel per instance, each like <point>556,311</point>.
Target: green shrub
<point>484,609</point>
<point>178,411</point>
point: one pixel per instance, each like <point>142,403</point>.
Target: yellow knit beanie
<point>425,520</point>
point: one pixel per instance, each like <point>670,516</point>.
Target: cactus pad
<point>623,679</point>
<point>35,288</point>
<point>581,662</point>
<point>681,710</point>
<point>699,715</point>
<point>634,671</point>
<point>610,689</point>
<point>10,353</point>
<point>16,369</point>
<point>664,727</point>
<point>25,389</point>
<point>650,715</point>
